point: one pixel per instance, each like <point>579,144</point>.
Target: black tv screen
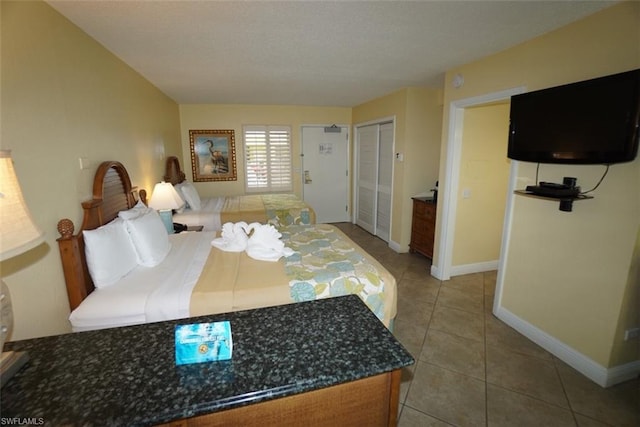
<point>590,122</point>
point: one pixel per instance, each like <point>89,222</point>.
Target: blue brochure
<point>203,342</point>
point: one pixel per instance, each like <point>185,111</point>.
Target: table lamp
<point>18,234</point>
<point>164,199</point>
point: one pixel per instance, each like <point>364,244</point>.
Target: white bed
<point>281,209</point>
<point>122,268</point>
<point>148,294</point>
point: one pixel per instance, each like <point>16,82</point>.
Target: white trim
<point>447,197</point>
<point>479,267</point>
<point>506,233</point>
<point>597,373</point>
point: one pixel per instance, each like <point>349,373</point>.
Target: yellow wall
<point>418,118</point>
<point>64,97</point>
<point>568,273</point>
<point>484,173</point>
<point>205,116</point>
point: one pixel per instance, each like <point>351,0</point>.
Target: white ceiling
<point>322,53</point>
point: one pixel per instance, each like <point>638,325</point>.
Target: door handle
<point>307,178</point>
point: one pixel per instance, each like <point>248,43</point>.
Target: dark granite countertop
<point>127,376</point>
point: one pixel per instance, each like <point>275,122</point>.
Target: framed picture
<point>213,155</point>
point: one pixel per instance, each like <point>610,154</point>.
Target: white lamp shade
<point>18,232</point>
<point>165,197</point>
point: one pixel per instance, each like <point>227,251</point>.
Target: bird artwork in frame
<point>213,155</point>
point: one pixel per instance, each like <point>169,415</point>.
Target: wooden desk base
<point>370,402</point>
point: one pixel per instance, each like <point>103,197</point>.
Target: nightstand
<point>423,226</point>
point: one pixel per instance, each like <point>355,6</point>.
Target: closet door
<point>367,177</point>
<point>385,176</point>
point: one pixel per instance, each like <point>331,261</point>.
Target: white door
<point>367,177</point>
<point>385,175</point>
<point>325,163</point>
<point>374,151</point>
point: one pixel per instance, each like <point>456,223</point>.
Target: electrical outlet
<point>632,333</point>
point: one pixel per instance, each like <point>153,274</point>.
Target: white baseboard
<point>397,247</point>
<point>435,272</point>
<point>602,376</point>
<point>459,270</point>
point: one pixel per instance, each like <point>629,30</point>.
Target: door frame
<point>356,142</point>
<point>347,160</point>
<point>447,200</point>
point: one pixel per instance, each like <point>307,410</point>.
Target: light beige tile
<point>525,374</point>
<point>588,422</point>
<point>458,322</point>
<point>490,278</point>
<point>405,382</point>
<point>467,282</point>
<point>413,310</point>
<point>411,335</point>
<point>417,270</point>
<point>461,299</point>
<point>618,405</point>
<point>453,352</point>
<point>412,418</point>
<point>499,334</point>
<point>446,395</point>
<point>507,408</point>
<point>425,289</point>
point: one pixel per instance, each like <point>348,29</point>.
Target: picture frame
<point>213,155</point>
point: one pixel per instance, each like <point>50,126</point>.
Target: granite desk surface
<point>128,376</point>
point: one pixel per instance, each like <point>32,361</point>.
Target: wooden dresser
<point>423,226</point>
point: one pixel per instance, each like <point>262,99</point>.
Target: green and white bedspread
<point>287,209</point>
<point>326,265</point>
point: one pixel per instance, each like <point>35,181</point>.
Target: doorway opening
<point>443,269</point>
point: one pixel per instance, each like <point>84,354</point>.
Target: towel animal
<point>265,244</point>
<point>233,238</point>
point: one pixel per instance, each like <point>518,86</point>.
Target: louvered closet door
<point>385,175</point>
<point>367,177</point>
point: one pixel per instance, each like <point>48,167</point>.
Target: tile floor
<point>472,369</point>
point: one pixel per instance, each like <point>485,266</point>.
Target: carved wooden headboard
<point>173,173</point>
<point>112,193</point>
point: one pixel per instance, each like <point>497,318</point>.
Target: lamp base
<point>167,219</point>
<point>11,363</point>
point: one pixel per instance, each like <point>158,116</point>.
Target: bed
<point>211,213</point>
<point>193,277</point>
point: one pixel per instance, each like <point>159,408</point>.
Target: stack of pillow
<point>137,237</point>
<point>189,195</point>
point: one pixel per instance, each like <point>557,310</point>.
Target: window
<point>267,151</point>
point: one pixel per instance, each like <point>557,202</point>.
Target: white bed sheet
<point>148,294</point>
<point>208,216</point>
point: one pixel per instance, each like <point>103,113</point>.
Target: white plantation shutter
<point>267,158</point>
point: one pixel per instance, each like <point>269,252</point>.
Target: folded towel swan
<point>233,238</point>
<point>263,245</point>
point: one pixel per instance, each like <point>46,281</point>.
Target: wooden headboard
<point>112,193</point>
<point>173,173</point>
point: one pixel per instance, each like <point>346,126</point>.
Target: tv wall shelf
<point>566,203</point>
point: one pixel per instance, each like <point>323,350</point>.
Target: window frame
<point>277,171</point>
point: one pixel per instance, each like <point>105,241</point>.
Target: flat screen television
<point>595,121</point>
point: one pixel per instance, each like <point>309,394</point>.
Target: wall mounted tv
<point>590,122</point>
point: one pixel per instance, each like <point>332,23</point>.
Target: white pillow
<point>149,237</point>
<point>191,196</point>
<point>139,209</point>
<point>109,252</point>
